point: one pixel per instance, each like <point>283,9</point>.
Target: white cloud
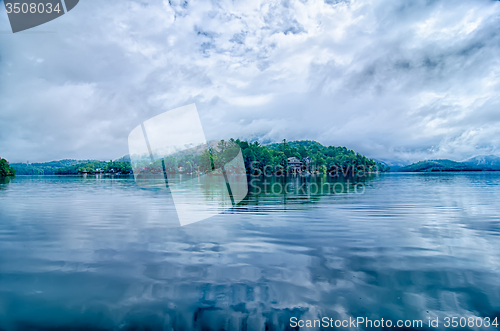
<point>396,80</point>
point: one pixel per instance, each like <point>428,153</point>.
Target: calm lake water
<point>101,253</point>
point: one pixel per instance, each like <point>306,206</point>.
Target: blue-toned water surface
<point>101,253</point>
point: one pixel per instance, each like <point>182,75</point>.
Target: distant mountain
<point>394,165</point>
<point>391,165</point>
<point>439,165</point>
<point>485,162</point>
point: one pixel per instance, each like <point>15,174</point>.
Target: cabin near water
<point>295,165</point>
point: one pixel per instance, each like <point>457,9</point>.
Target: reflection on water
<point>101,253</point>
<point>304,188</point>
<point>4,181</point>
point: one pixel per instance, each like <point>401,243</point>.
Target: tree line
<point>311,156</point>
<point>314,157</point>
<point>115,167</point>
<point>44,168</point>
<point>273,159</point>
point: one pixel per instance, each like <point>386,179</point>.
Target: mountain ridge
<point>489,162</point>
<point>476,163</point>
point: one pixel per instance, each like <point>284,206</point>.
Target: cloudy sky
<point>398,80</point>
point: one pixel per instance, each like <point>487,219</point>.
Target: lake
<point>100,253</point>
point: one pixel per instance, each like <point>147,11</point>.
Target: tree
<point>6,169</point>
<point>280,162</point>
<point>170,164</point>
<point>206,162</point>
<point>302,152</point>
<point>188,167</point>
<point>249,158</point>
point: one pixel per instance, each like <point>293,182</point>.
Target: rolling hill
<point>439,165</point>
<point>485,162</point>
<point>45,168</point>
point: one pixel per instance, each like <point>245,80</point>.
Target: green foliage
<point>268,159</point>
<point>314,157</point>
<point>6,169</point>
<point>280,162</point>
<point>171,165</point>
<point>206,162</point>
<point>299,144</point>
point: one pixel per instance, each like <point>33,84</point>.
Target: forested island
<point>306,156</point>
<point>284,157</point>
<point>6,169</point>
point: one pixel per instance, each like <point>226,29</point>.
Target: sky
<point>396,80</point>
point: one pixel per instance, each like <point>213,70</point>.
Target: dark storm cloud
<point>395,80</point>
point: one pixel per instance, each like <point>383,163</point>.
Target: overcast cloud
<point>395,80</point>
